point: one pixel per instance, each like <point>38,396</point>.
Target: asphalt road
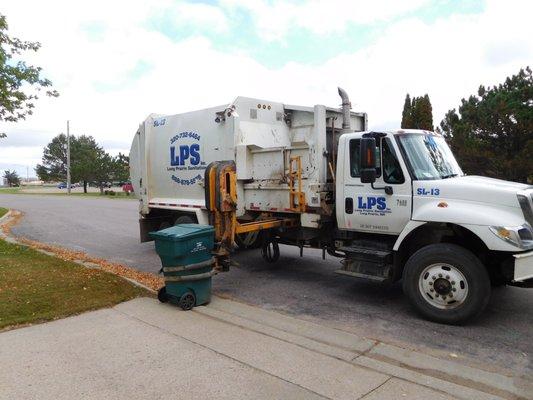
<point>305,287</point>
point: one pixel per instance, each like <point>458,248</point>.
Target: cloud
<point>193,15</point>
<point>275,18</point>
<point>20,159</point>
<point>113,68</point>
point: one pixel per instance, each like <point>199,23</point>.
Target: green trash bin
<point>187,263</point>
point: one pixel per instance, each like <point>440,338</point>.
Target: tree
<point>417,113</point>
<point>103,169</point>
<point>121,167</point>
<point>12,178</point>
<point>425,113</point>
<point>407,121</point>
<point>84,155</point>
<point>54,160</point>
<point>492,133</point>
<point>86,160</point>
<point>20,84</point>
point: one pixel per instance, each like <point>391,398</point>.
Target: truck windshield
<point>429,157</point>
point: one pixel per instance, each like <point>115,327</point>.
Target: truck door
<point>368,208</point>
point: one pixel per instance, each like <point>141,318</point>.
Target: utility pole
<point>68,157</point>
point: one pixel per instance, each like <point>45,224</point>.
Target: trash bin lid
<point>182,232</point>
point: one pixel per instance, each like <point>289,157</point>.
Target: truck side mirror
<point>367,159</point>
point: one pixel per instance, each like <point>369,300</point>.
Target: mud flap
<point>147,225</point>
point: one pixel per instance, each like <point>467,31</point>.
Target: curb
<point>5,217</point>
<point>449,377</point>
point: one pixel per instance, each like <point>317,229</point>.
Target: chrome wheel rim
<point>443,286</point>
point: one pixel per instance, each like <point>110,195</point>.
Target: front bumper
<point>523,267</point>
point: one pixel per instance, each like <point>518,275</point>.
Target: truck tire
<point>270,251</point>
<point>249,240</point>
<point>184,219</point>
<point>446,283</point>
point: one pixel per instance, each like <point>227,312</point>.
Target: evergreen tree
<point>121,165</point>
<point>417,113</point>
<point>85,154</point>
<point>425,117</point>
<point>407,120</point>
<point>54,160</point>
<point>492,133</point>
<point>88,161</point>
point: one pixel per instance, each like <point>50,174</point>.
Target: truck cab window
<point>392,171</point>
<point>354,158</point>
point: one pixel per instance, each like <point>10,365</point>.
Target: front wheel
<point>446,283</point>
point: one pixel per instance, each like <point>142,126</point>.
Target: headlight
<point>519,236</point>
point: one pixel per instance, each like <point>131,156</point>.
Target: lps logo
<point>370,203</point>
<point>199,247</point>
<point>180,153</point>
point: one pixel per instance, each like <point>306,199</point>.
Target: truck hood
<point>480,189</point>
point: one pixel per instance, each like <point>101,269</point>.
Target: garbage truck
<point>391,205</point>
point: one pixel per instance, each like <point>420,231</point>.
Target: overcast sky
<point>116,61</point>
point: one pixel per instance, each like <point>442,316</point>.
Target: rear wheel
<point>184,219</point>
<point>249,240</point>
<point>270,251</point>
<point>162,295</point>
<point>446,283</point>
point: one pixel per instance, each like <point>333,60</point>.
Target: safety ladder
<point>296,196</point>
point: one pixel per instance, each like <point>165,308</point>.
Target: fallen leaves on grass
<point>144,278</point>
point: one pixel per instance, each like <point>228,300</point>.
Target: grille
<point>526,208</point>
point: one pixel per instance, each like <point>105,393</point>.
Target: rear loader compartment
<point>284,158</point>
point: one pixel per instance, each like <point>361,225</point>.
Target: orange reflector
<point>442,204</point>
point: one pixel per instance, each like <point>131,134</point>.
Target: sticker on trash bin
<point>199,247</point>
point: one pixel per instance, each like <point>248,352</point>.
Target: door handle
<point>348,205</point>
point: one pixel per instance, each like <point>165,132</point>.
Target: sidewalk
<point>143,349</point>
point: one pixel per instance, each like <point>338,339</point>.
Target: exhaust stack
<point>346,106</point>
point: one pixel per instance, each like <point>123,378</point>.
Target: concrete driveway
<point>305,287</point>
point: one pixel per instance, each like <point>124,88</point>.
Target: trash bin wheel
<point>162,295</point>
<point>187,301</point>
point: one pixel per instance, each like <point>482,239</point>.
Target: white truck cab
<point>418,181</point>
<point>450,234</point>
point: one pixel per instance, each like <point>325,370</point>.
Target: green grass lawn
<point>9,190</point>
<point>22,190</point>
<point>35,287</point>
<point>3,211</point>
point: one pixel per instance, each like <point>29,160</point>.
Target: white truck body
<point>170,153</point>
